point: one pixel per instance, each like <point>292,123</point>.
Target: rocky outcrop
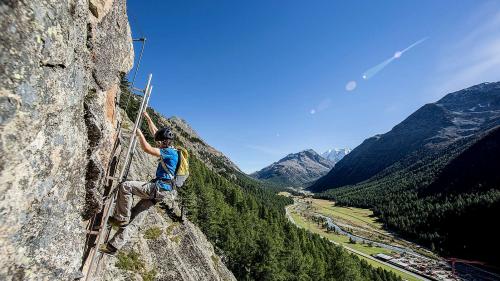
<point>165,250</point>
<point>61,62</point>
<point>296,169</point>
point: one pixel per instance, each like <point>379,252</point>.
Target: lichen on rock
<point>53,54</point>
<point>61,65</point>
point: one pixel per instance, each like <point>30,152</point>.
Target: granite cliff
<point>61,63</point>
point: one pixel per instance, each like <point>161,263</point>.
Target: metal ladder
<point>98,231</point>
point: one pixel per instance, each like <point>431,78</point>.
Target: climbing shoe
<point>114,222</point>
<point>108,249</point>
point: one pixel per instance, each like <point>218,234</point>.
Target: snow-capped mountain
<point>336,154</point>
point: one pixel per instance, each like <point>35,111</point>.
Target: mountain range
<point>432,128</point>
<point>295,169</point>
<point>235,213</point>
<point>434,177</point>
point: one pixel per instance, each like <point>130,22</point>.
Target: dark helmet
<point>164,134</point>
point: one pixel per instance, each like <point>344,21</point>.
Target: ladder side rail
<point>104,231</point>
<point>143,40</point>
<point>134,144</point>
<point>108,202</point>
<point>136,125</point>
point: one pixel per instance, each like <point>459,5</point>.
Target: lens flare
<point>376,69</point>
<point>350,86</point>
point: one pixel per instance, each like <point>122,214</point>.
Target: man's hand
<point>151,125</point>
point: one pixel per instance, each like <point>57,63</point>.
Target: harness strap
<point>157,188</point>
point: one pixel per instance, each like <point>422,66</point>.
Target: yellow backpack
<point>182,169</point>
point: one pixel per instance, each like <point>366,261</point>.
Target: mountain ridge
<point>237,213</point>
<point>448,181</point>
<point>295,169</point>
<point>434,126</point>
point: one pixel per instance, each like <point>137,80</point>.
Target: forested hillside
<point>448,201</point>
<point>247,225</point>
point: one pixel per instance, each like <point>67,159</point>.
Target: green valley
<point>359,231</point>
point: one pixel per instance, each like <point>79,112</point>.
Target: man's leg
<point>124,198</point>
<point>139,212</point>
<point>149,193</point>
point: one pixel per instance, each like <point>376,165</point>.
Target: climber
<point>128,218</point>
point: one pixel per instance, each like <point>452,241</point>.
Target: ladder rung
<point>92,232</point>
<point>138,90</point>
<point>112,178</point>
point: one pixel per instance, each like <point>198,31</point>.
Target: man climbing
<point>128,218</point>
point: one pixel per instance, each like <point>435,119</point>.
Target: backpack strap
<point>164,166</point>
<point>179,155</point>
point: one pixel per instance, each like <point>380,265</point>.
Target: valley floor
<point>358,231</point>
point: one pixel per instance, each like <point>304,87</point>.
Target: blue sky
<point>248,75</point>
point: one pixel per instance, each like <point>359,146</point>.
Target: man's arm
<point>146,146</point>
<point>151,125</point>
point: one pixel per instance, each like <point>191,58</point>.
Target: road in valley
<point>288,214</point>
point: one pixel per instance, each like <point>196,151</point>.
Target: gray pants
<point>148,193</point>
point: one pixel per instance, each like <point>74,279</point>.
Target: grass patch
<point>356,215</point>
<point>363,223</point>
<point>171,227</point>
<point>215,259</point>
<point>149,275</point>
<point>176,239</point>
<point>131,261</point>
<point>403,275</point>
<point>153,233</point>
<point>341,239</point>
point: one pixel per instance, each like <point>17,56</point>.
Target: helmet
<point>164,134</point>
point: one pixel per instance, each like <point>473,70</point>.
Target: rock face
<point>166,250</point>
<point>456,117</point>
<point>296,169</point>
<point>59,75</point>
<point>61,64</point>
